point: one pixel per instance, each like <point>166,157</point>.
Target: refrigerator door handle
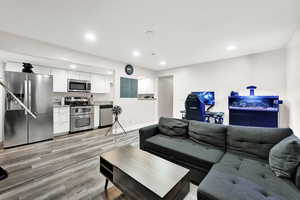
<point>29,94</point>
<point>26,95</point>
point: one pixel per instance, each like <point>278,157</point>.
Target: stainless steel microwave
<point>79,86</point>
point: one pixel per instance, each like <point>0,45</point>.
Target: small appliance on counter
<point>81,114</point>
<point>146,97</point>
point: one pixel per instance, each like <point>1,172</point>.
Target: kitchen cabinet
<point>42,70</point>
<point>96,116</point>
<point>61,120</point>
<point>60,80</point>
<point>73,75</point>
<point>84,76</point>
<point>79,75</point>
<point>17,67</point>
<point>100,84</point>
<point>13,67</point>
<point>146,86</point>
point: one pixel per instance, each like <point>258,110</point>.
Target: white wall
<point>44,52</point>
<point>136,112</point>
<point>265,70</point>
<point>293,81</point>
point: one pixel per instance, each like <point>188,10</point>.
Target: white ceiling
<point>185,31</point>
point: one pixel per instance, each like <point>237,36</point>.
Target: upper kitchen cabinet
<point>73,75</point>
<point>100,84</point>
<point>146,86</point>
<point>13,67</point>
<point>79,75</point>
<point>17,67</point>
<point>84,76</point>
<point>60,80</point>
<point>42,70</point>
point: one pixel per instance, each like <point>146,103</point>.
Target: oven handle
<point>82,116</point>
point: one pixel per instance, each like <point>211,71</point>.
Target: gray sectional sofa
<point>228,162</point>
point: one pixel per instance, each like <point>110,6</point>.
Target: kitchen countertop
<point>98,103</point>
<point>59,106</point>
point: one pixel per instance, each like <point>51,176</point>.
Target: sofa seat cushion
<point>207,133</point>
<point>253,141</point>
<point>185,150</point>
<point>241,178</point>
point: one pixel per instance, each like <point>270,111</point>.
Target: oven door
<point>81,122</point>
<point>78,86</point>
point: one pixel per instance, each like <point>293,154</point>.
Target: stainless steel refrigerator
<point>35,91</point>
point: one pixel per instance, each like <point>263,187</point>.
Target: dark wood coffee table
<point>142,176</point>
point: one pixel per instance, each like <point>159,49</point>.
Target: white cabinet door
<point>96,116</point>
<point>60,80</point>
<point>61,120</point>
<point>106,85</point>
<point>42,70</point>
<point>73,75</point>
<point>13,67</point>
<point>98,83</point>
<point>84,76</point>
<point>146,86</point>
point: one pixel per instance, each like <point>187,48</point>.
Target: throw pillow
<point>173,127</point>
<point>285,157</point>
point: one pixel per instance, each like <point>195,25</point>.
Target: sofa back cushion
<point>284,157</point>
<point>173,127</point>
<point>254,141</point>
<point>212,134</point>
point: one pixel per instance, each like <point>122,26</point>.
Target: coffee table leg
<point>106,184</point>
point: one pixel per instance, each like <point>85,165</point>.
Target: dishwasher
<point>106,115</point>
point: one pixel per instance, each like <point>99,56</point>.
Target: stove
<point>81,114</point>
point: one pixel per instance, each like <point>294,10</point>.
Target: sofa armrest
<point>147,132</point>
<point>297,177</point>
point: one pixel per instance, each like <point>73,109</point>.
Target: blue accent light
<point>208,98</point>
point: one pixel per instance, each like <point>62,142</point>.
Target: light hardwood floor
<point>64,168</point>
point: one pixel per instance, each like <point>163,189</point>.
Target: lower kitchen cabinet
<point>96,116</point>
<point>61,120</point>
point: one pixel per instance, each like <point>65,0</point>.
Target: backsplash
<point>57,96</point>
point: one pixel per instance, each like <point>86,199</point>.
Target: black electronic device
<point>27,68</point>
<point>129,69</point>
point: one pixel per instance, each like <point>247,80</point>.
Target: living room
<point>150,100</point>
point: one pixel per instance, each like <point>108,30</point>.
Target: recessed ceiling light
<point>90,36</point>
<point>136,53</point>
<point>72,66</point>
<point>163,63</point>
<point>231,48</point>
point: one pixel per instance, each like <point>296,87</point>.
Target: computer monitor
<point>208,97</point>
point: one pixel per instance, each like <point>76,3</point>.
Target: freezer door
<point>15,124</point>
<point>40,103</point>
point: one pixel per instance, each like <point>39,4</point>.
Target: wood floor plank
<point>66,168</point>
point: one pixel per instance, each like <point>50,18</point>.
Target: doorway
<point>165,96</point>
